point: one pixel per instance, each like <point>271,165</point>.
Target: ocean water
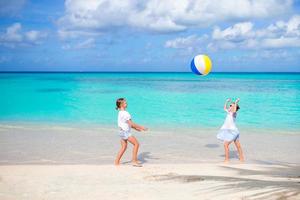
<point>268,100</point>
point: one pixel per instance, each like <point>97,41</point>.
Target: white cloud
<point>243,35</point>
<point>239,35</point>
<point>293,26</point>
<point>14,36</point>
<point>64,35</point>
<point>86,44</point>
<point>13,33</point>
<point>162,16</point>
<point>281,42</point>
<point>34,36</point>
<point>236,33</point>
<point>189,43</point>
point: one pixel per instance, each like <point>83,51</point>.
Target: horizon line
<point>80,71</point>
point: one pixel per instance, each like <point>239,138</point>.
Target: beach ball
<point>201,65</point>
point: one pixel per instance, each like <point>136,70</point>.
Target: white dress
<point>229,132</point>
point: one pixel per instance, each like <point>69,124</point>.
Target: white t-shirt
<point>123,117</point>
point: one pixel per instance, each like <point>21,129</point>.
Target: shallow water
<point>268,100</point>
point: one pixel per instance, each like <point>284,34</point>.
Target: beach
<point>59,136</point>
<point>153,181</point>
<point>210,90</point>
<point>76,162</point>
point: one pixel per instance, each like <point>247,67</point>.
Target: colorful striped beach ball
<point>201,65</point>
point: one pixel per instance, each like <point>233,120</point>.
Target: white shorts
<point>125,134</point>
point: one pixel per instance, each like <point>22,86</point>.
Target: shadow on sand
<point>287,188</point>
<point>143,158</point>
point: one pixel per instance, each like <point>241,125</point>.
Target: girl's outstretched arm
<point>136,126</point>
<point>225,105</point>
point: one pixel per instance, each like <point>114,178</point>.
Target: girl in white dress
<point>229,132</point>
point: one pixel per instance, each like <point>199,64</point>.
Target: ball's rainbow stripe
<point>201,65</point>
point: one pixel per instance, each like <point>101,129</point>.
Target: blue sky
<point>153,35</point>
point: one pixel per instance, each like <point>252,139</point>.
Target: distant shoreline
<point>165,127</point>
<point>138,72</point>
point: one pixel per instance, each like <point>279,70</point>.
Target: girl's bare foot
<point>226,161</point>
<point>117,163</point>
<point>137,163</point>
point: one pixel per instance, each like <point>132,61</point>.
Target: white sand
<point>157,181</point>
<point>59,162</point>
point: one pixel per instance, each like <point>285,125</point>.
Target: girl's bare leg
<point>226,149</point>
<point>239,148</point>
<point>121,152</point>
<point>136,145</point>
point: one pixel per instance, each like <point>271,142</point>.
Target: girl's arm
<point>136,126</point>
<point>235,104</point>
<point>225,105</point>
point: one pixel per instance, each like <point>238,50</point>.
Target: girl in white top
<point>229,132</point>
<point>125,124</point>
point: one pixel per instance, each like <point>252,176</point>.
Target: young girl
<point>229,131</point>
<point>125,124</point>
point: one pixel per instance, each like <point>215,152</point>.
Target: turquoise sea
<point>268,100</point>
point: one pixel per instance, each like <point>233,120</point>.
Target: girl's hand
<point>144,128</point>
<point>140,128</point>
<point>228,100</point>
<point>237,100</point>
